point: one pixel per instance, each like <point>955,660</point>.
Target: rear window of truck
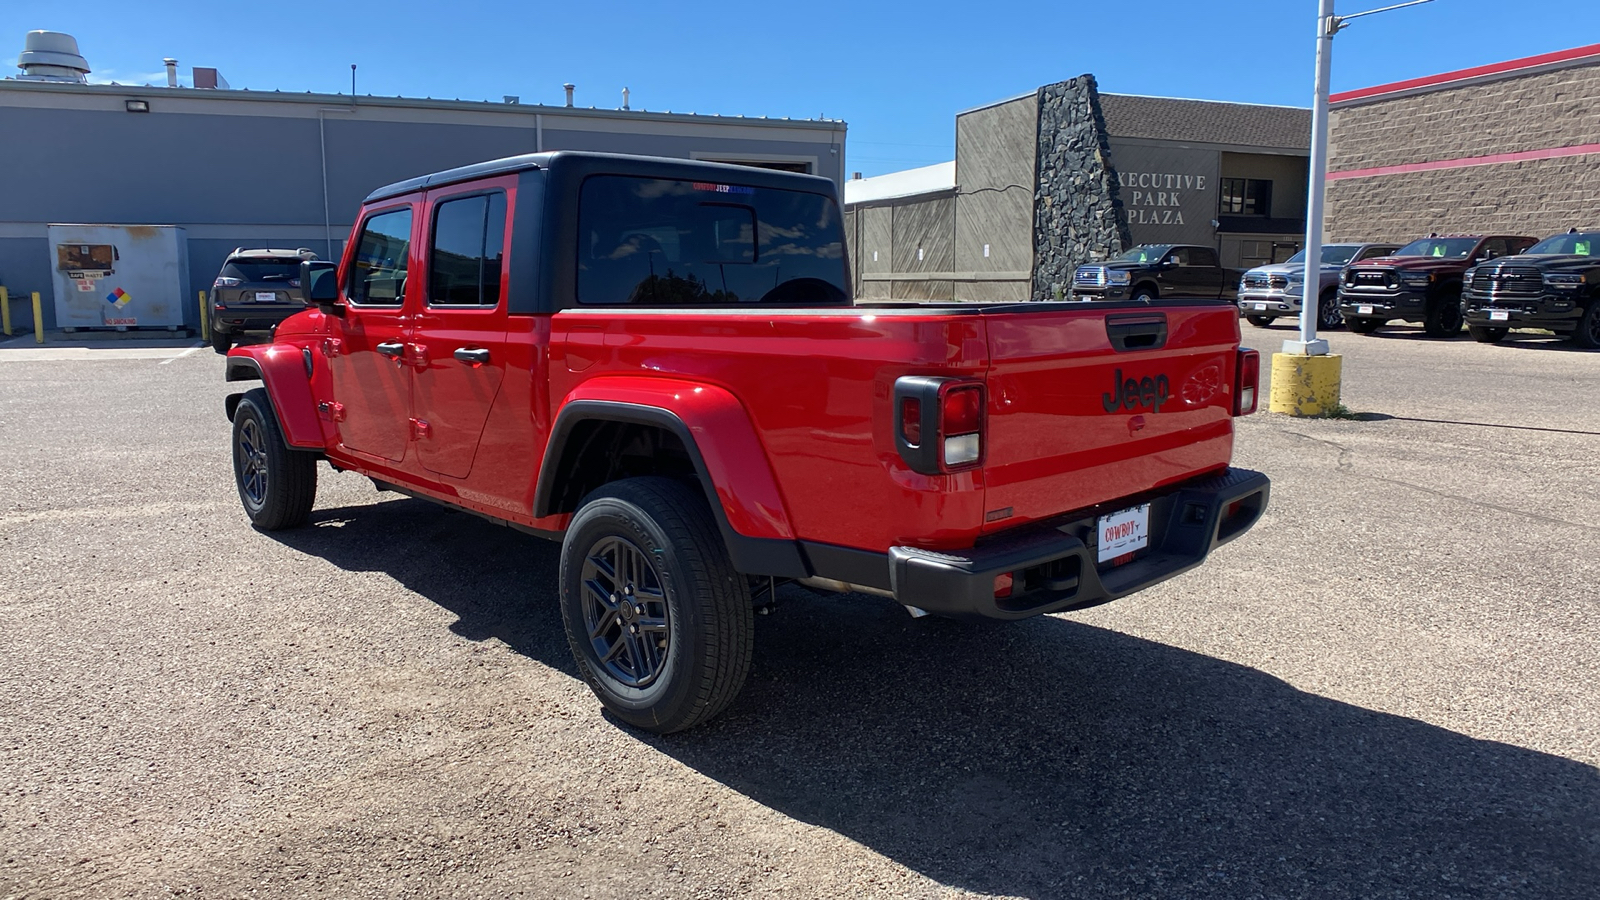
<point>660,242</point>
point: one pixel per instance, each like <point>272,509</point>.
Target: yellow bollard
<point>1305,385</point>
<point>5,309</point>
<point>205,319</point>
<point>38,320</point>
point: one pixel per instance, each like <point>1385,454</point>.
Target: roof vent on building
<point>52,56</point>
<point>570,87</point>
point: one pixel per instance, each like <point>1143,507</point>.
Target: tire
<point>1261,321</point>
<point>1587,334</point>
<point>1329,318</point>
<point>221,341</point>
<point>1483,334</point>
<point>1145,295</point>
<point>277,484</point>
<point>1443,318</point>
<point>1361,325</point>
<point>655,537</point>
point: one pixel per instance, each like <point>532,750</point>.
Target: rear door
<point>366,346</point>
<point>458,342</point>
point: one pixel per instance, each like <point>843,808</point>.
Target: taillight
<point>226,281</point>
<point>939,423</point>
<point>911,421</point>
<point>1246,382</point>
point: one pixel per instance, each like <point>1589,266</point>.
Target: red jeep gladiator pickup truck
<point>659,364</point>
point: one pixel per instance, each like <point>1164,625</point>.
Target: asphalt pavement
<point>1389,689</point>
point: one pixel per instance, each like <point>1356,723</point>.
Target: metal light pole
<point>1328,25</point>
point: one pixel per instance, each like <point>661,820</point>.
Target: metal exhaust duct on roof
<point>625,98</point>
<point>172,71</point>
<point>570,87</point>
<point>52,56</point>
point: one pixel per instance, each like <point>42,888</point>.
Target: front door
<point>367,346</point>
<point>458,339</point>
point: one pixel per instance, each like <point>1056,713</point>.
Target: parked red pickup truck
<point>658,363</point>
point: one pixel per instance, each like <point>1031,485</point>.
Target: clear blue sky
<point>896,72</point>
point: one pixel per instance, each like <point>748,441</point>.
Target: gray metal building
<point>1053,178</point>
<point>258,169</point>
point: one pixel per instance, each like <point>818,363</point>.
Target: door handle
<point>392,349</point>
<point>472,357</point>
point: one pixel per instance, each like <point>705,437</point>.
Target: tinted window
<point>262,269</point>
<point>662,242</point>
<point>1445,248</point>
<point>1568,245</point>
<point>1142,254</point>
<point>468,241</point>
<point>379,274</point>
<point>1202,256</point>
<point>1375,252</point>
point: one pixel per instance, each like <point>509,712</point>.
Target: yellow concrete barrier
<point>205,319</point>
<point>38,320</point>
<point>1305,385</point>
<point>5,309</point>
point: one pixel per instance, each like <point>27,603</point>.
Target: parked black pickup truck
<point>1554,284</point>
<point>1158,271</point>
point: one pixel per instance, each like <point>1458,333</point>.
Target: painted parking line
<point>182,355</point>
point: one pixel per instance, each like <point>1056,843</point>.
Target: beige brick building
<point>1510,148</point>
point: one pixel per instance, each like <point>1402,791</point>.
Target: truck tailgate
<point>1088,405</point>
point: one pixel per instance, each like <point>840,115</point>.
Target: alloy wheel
<point>252,463</point>
<point>625,611</point>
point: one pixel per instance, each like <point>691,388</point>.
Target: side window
<point>1203,256</point>
<point>1520,245</point>
<point>1180,256</point>
<point>1493,248</point>
<point>467,247</point>
<point>1373,253</point>
<point>378,277</point>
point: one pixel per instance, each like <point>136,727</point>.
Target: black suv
<point>1554,284</point>
<point>255,290</point>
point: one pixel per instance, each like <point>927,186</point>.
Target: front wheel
<point>1587,334</point>
<point>1483,334</point>
<point>1144,295</point>
<point>1443,319</point>
<point>1261,321</point>
<point>1329,318</point>
<point>277,484</point>
<point>658,620</point>
<point>1361,325</point>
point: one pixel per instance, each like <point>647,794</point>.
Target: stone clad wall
<point>1538,197</point>
<point>1077,214</point>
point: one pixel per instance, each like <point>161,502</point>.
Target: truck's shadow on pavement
<point>1054,759</point>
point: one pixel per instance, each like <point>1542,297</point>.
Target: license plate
<point>1124,532</point>
<point>1261,306</point>
<point>266,297</point>
<point>1364,310</point>
<point>1499,315</point>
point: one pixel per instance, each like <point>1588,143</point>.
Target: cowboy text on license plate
<point>1123,532</point>
<point>266,297</point>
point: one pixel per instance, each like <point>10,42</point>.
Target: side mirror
<point>1169,263</point>
<point>319,285</point>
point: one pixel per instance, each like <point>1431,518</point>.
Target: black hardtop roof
<point>587,163</point>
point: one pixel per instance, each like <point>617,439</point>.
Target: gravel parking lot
<point>1390,689</point>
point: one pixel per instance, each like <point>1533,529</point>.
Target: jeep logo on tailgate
<point>1133,393</point>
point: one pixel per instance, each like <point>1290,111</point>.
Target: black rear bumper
<point>1054,567</point>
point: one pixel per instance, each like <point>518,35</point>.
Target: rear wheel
<point>1363,325</point>
<point>221,341</point>
<point>1483,334</point>
<point>1261,321</point>
<point>1328,316</point>
<point>1443,318</point>
<point>1587,334</point>
<point>277,484</point>
<point>658,620</point>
